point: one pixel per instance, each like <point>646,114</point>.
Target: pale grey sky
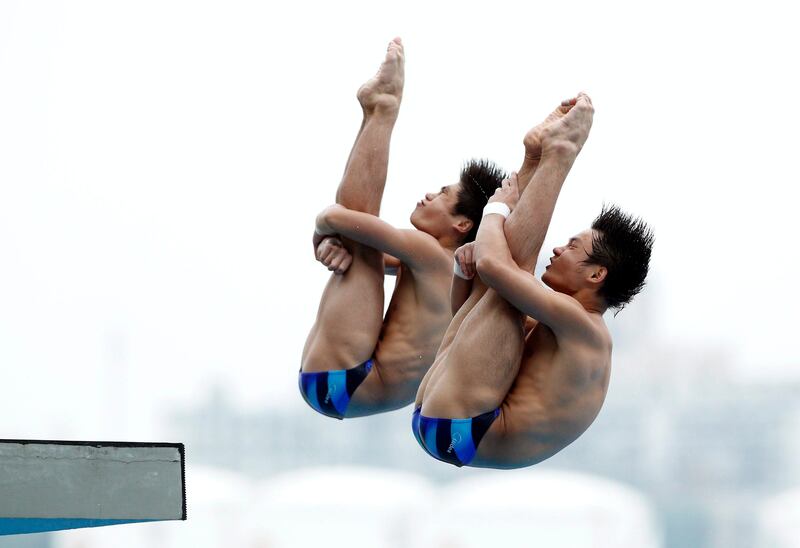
<point>161,164</point>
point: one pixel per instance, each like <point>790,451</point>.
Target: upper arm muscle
<point>560,312</point>
<point>411,247</point>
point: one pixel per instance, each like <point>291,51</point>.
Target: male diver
<point>522,370</point>
<point>356,362</point>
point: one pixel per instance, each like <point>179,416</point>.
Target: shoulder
<point>589,331</point>
<point>428,254</point>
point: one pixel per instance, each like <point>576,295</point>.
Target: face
<point>566,273</point>
<point>434,213</point>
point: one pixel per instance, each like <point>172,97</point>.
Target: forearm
<point>338,220</point>
<point>459,291</point>
<point>490,244</point>
<point>371,231</point>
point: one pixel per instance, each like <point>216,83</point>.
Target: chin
<point>550,282</point>
<point>414,220</point>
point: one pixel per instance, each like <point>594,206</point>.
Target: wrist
<point>499,208</point>
<point>458,272</point>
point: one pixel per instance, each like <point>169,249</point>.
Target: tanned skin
<point>350,326</point>
<point>542,357</point>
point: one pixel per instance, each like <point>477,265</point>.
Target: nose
<point>557,251</point>
<point>428,196</point>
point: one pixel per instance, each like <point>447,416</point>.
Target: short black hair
<point>623,245</point>
<point>479,179</point>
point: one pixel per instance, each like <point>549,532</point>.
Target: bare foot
<point>384,91</point>
<point>567,126</point>
<point>533,139</point>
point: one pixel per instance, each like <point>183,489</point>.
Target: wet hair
<point>623,245</point>
<point>479,179</point>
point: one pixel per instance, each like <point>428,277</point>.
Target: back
<point>557,394</point>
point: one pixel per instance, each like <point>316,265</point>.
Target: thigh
<point>350,315</point>
<point>481,362</point>
<point>435,371</point>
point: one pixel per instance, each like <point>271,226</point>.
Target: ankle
<point>559,150</point>
<point>380,116</point>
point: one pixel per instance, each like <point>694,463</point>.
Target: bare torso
<point>558,392</point>
<point>415,321</point>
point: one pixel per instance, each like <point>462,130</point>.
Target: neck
<point>450,243</point>
<point>590,301</point>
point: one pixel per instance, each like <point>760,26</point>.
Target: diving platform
<point>54,485</point>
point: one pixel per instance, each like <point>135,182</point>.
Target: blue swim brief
<point>451,440</point>
<point>329,392</point>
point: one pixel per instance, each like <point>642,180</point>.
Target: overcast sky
<point>161,164</point>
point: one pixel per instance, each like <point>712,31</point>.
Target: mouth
<point>420,204</point>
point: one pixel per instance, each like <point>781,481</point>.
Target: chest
<point>426,291</point>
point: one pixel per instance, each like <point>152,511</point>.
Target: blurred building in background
<point>706,450</point>
<point>682,454</point>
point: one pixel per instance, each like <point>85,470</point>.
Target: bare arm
<point>459,292</point>
<point>464,264</point>
<point>497,269</point>
<point>411,247</point>
<point>329,251</point>
<point>390,265</point>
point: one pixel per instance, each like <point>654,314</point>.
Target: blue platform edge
<point>19,526</point>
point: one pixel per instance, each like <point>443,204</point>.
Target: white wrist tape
<point>458,272</point>
<point>496,207</point>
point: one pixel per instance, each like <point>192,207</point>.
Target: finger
<point>335,263</point>
<point>470,260</point>
<point>464,266</point>
<point>328,254</point>
<point>348,259</point>
<point>471,265</point>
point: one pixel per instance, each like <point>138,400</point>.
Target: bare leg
<point>350,314</point>
<point>435,371</point>
<point>525,250</point>
<point>484,357</point>
<point>364,179</point>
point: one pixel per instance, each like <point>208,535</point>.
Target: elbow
<point>325,220</point>
<point>487,268</point>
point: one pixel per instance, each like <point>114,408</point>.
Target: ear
<point>463,225</point>
<point>597,274</point>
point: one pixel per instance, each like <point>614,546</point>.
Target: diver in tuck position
<point>522,370</point>
<point>356,362</point>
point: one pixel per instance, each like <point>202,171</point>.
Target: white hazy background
<point>161,164</point>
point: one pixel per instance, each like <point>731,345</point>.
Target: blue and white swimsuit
<point>454,441</point>
<point>329,392</point>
